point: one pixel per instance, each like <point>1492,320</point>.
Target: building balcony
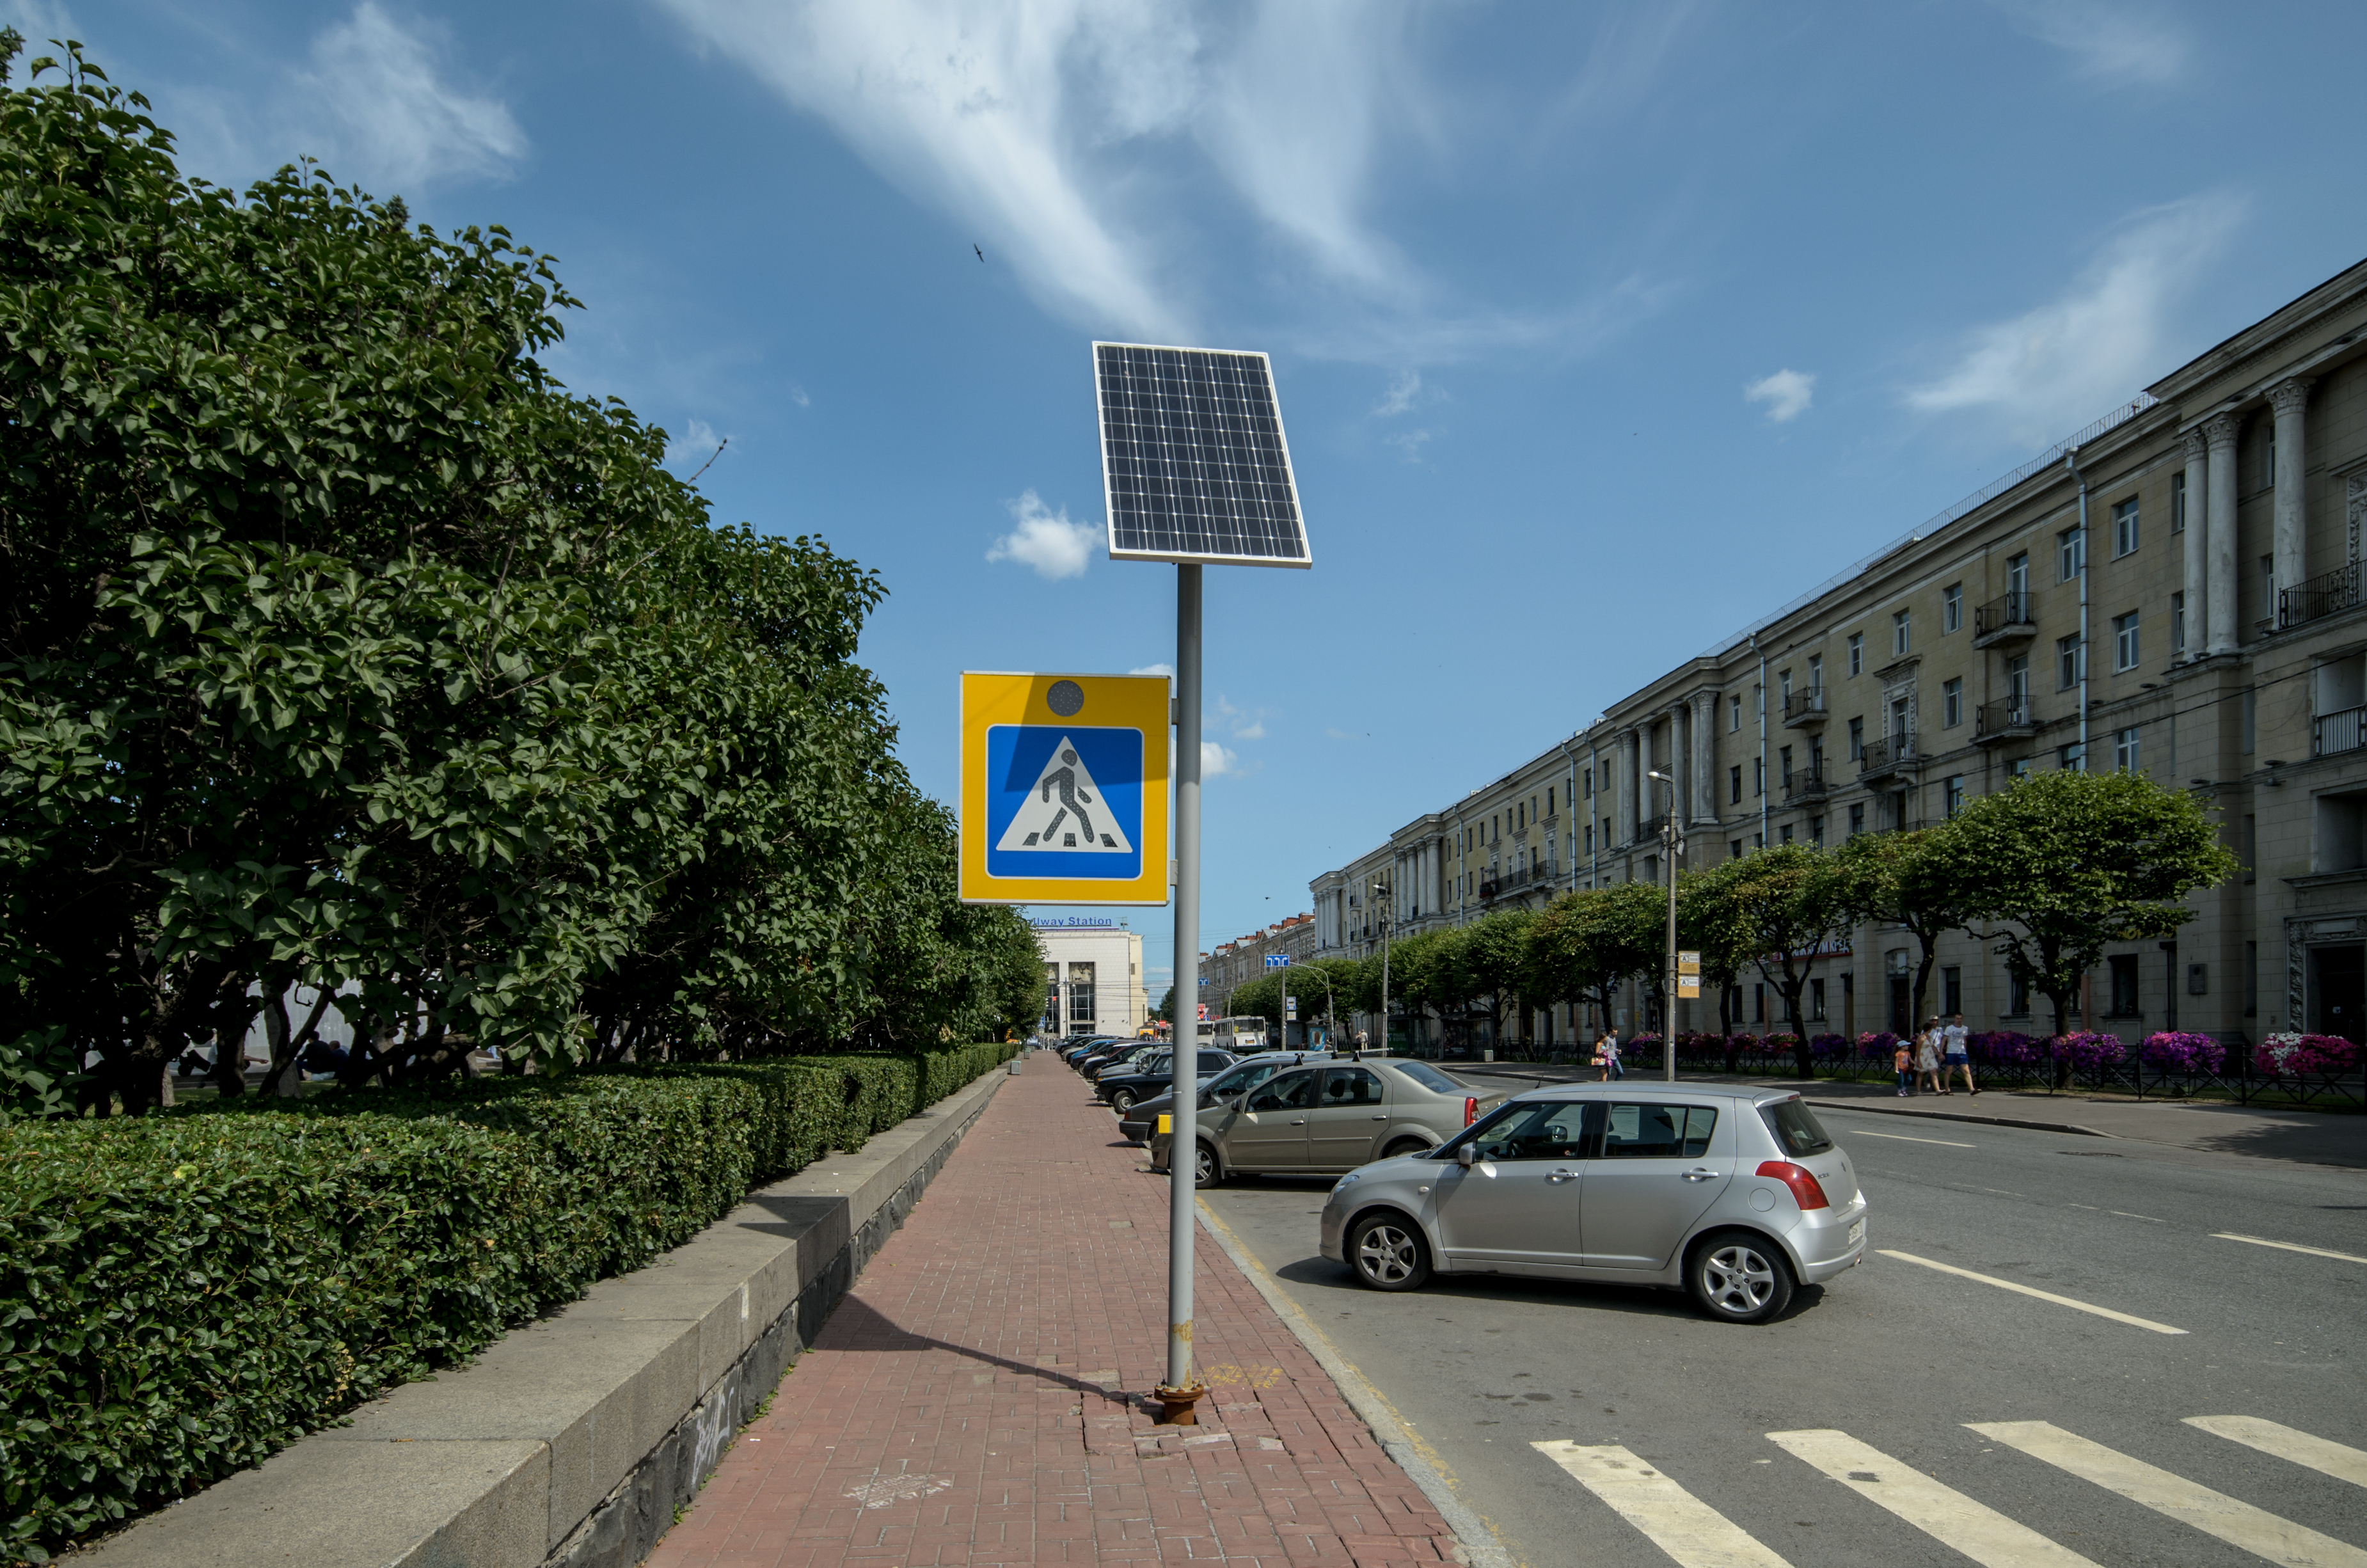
<point>2343,589</point>
<point>1510,881</point>
<point>2010,720</point>
<point>2006,618</point>
<point>1805,709</point>
<point>1889,757</point>
<point>2343,731</point>
<point>1804,785</point>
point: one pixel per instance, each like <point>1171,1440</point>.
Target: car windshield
<point>1796,1129</point>
<point>1428,1078</point>
<point>1242,1079</point>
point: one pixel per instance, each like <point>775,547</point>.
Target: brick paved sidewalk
<point>977,1398</point>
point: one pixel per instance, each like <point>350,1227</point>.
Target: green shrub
<point>181,1295</point>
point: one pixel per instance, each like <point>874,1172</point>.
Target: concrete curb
<point>1875,1109</point>
<point>571,1442</point>
<point>1481,1547</point>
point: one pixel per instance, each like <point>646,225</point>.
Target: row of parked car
<point>1735,1194</point>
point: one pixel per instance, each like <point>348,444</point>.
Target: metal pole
<point>1388,907</point>
<point>1669,844</point>
<point>1183,1152</point>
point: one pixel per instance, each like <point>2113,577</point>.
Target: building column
<point>2289,400</point>
<point>1704,705</point>
<point>2198,482</point>
<point>2219,436</point>
<point>1629,776</point>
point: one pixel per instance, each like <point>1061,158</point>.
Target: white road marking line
<point>1902,1137</point>
<point>2088,1207</point>
<point>2214,1513</point>
<point>2322,1454</point>
<point>1688,1529</point>
<point>2032,1290</point>
<point>1947,1516</point>
<point>2003,1192</point>
<point>2146,1217</point>
<point>2288,1246</point>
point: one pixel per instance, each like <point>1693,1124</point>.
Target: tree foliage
<point>339,641</point>
<point>1777,911</point>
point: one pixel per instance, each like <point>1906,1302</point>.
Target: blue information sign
<point>1064,800</point>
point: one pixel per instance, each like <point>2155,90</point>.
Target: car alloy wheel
<point>1121,1102</point>
<point>1205,1171</point>
<point>1740,1279</point>
<point>1388,1254</point>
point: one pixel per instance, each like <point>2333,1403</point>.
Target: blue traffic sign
<point>1064,800</point>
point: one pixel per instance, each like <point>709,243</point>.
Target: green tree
<point>2070,862</point>
<point>1905,878</point>
<point>1428,974</point>
<point>1588,943</point>
<point>1495,967</point>
<point>1777,911</point>
<point>1165,1011</point>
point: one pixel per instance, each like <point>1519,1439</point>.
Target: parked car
<point>1317,1119</point>
<point>1152,1074</point>
<point>1735,1195</point>
<point>1120,1060</point>
<point>1134,1124</point>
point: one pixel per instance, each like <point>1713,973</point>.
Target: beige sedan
<point>1323,1120</point>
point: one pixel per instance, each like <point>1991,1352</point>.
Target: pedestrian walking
<point>1902,1063</point>
<point>1927,1054</point>
<point>1611,1056</point>
<point>1601,1063</point>
<point>1956,1052</point>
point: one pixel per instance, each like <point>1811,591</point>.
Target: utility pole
<point>1672,847</point>
<point>1388,910</point>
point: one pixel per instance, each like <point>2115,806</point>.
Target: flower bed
<point>2301,1055</point>
<point>2187,1053</point>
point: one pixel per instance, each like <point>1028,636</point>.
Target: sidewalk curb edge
<point>1481,1546</point>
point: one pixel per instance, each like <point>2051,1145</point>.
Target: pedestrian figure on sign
<point>1956,1053</point>
<point>1065,778</point>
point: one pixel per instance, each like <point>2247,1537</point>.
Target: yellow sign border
<point>1002,697</point>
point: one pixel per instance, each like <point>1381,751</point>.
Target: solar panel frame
<point>1257,491</point>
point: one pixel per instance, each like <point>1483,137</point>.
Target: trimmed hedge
<point>181,1295</point>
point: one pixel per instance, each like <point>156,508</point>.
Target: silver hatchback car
<point>1737,1195</point>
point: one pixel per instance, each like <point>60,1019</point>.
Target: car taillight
<point>1806,1191</point>
<point>1470,1109</point>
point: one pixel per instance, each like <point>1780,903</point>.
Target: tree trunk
<point>1924,974</point>
<point>2061,1001</point>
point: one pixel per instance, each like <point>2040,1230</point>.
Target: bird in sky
<point>981,255</point>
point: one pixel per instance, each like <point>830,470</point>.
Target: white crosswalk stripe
<point>2337,1460</point>
<point>1947,1516</point>
<point>2238,1524</point>
<point>1688,1529</point>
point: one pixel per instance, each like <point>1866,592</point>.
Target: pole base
<point>1176,1403</point>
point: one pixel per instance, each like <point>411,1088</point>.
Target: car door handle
<point>1382,1115</point>
<point>1298,1121</point>
<point>1561,1175</point>
<point>1697,1175</point>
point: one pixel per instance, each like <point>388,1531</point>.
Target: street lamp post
<point>1672,847</point>
<point>1389,911</point>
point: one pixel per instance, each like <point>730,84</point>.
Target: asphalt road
<point>1900,1357</point>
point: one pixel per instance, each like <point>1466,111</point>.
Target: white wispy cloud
<point>1786,394</point>
<point>388,89</point>
<point>1400,395</point>
<point>693,446</point>
<point>2121,44</point>
<point>2053,368</point>
<point>1167,670</point>
<point>1216,761</point>
<point>1046,540</point>
<point>1244,724</point>
<point>1339,735</point>
<point>1410,443</point>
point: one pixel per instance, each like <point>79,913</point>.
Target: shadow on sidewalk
<point>858,1326</point>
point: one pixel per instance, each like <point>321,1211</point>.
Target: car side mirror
<point>1467,1155</point>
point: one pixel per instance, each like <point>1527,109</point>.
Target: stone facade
<point>2177,588</point>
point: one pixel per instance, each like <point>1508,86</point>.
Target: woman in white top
<point>1927,1054</point>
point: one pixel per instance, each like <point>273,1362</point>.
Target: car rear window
<point>1796,1127</point>
<point>1428,1078</point>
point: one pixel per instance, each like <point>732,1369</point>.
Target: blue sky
<point>1565,301</point>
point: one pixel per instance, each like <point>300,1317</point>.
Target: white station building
<point>1092,976</point>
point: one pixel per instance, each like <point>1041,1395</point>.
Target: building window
<point>2071,758</point>
<point>1734,783</point>
<point>1952,609</point>
<point>2178,501</point>
<point>1817,1000</point>
<point>1081,998</point>
<point>1758,775</point>
<point>2125,642</point>
<point>2125,528</point>
<point>1606,832</point>
<point>2070,555</point>
<point>1857,739</point>
<point>1784,688</point>
<point>2018,769</point>
<point>1899,634</point>
<point>2124,984</point>
<point>2177,625</point>
<point>2124,749</point>
<point>1952,794</point>
<point>1785,833</point>
<point>1733,715</point>
<point>1857,652</point>
<point>2070,662</point>
<point>1952,703</point>
<point>1590,783</point>
<point>1817,832</point>
<point>1734,849</point>
<point>1816,672</point>
<point>2269,588</point>
<point>2017,575</point>
<point>1857,819</point>
<point>1759,1001</point>
<point>2017,996</point>
<point>1952,991</point>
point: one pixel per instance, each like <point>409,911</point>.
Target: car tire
<point>1121,1100</point>
<point>1206,1169</point>
<point>1737,1276</point>
<point>1404,1146</point>
<point>1387,1251</point>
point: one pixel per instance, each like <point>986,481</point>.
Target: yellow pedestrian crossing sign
<point>1063,788</point>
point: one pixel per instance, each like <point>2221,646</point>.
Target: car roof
<point>1654,1087</point>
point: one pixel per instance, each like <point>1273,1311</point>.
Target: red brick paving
<point>976,1399</point>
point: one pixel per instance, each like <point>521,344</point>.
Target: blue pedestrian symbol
<point>1063,801</point>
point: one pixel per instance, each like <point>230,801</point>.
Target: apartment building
<point>1092,977</point>
<point>1235,963</point>
<point>2177,588</point>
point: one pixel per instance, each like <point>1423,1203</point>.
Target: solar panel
<point>1194,463</point>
